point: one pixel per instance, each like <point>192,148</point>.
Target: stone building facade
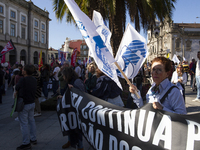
<point>182,39</point>
<point>28,27</point>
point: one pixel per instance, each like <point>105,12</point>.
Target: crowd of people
<point>167,82</point>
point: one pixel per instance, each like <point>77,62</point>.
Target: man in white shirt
<point>78,70</point>
<point>55,82</point>
<point>197,73</point>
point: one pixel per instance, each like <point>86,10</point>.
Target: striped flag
<point>40,60</point>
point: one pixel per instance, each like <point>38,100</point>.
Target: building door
<point>23,57</point>
<point>12,57</point>
<point>43,58</point>
<point>35,57</point>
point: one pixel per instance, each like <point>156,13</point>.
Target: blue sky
<point>186,11</point>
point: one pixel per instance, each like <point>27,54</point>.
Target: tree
<point>115,12</point>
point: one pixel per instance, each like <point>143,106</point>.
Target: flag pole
<point>88,57</point>
<point>125,77</point>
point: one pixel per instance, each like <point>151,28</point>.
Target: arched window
<point>23,56</point>
<point>12,57</point>
<point>35,57</point>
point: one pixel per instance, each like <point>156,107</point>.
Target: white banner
<point>132,52</point>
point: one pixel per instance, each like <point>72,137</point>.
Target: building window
<point>23,56</point>
<point>12,14</point>
<point>42,38</point>
<point>84,46</point>
<point>43,26</point>
<point>23,19</point>
<point>1,9</point>
<point>149,36</point>
<point>23,33</point>
<point>188,45</point>
<point>12,29</point>
<point>1,26</point>
<point>36,36</point>
<point>178,44</point>
<point>36,23</point>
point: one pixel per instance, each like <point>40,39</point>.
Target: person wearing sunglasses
<point>163,94</point>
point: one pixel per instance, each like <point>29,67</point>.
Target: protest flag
<point>52,60</point>
<point>175,59</point>
<point>9,47</point>
<point>100,52</point>
<point>132,53</point>
<point>61,56</point>
<point>168,51</point>
<point>40,60</point>
<point>73,57</point>
<point>3,59</point>
<point>167,55</point>
<point>102,29</point>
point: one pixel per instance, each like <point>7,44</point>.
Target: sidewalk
<point>49,134</point>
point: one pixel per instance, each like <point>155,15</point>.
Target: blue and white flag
<point>102,29</point>
<point>61,56</point>
<point>132,52</point>
<point>100,52</point>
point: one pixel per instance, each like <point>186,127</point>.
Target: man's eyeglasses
<point>158,70</point>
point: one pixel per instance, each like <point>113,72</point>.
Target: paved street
<point>49,134</point>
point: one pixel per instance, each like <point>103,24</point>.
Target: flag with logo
<point>73,57</point>
<point>102,29</point>
<point>132,53</point>
<point>40,60</point>
<point>100,52</point>
<point>9,47</point>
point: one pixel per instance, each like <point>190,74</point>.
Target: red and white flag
<point>9,47</point>
<point>73,57</point>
